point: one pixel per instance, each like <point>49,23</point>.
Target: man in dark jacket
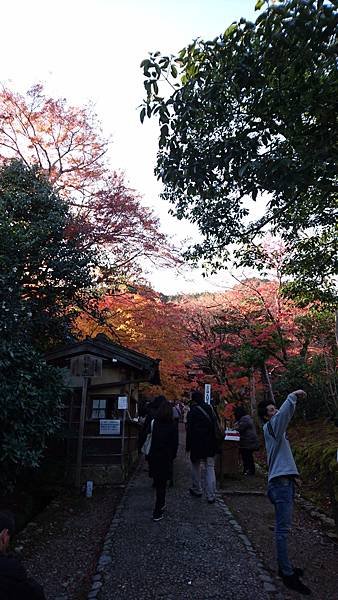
<point>202,445</point>
<point>14,583</point>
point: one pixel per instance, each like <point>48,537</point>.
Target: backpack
<point>218,431</point>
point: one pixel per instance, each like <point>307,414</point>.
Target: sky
<point>90,51</point>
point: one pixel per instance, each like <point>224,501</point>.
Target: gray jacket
<point>248,434</point>
<point>279,453</point>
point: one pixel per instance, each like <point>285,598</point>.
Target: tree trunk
<point>267,381</point>
<point>252,386</point>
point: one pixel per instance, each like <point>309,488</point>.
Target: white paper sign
<point>207,393</point>
<point>122,403</point>
<point>110,427</point>
<point>232,435</point>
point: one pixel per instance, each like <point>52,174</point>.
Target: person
<point>248,441</point>
<point>14,583</point>
<point>178,411</point>
<point>185,415</point>
<point>163,450</point>
<point>150,411</point>
<point>176,419</point>
<point>202,445</point>
<point>281,481</point>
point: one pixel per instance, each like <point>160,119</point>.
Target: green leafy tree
<point>253,118</point>
<point>43,276</point>
<point>43,273</point>
<point>31,395</point>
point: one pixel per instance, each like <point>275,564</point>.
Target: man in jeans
<point>281,481</point>
<point>202,445</point>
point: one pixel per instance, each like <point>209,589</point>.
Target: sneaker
<point>296,570</point>
<point>194,493</point>
<point>157,516</point>
<point>294,583</point>
<point>212,501</point>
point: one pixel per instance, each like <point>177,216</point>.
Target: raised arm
<point>282,418</point>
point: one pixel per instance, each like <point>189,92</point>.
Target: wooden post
<point>81,431</point>
<point>122,444</point>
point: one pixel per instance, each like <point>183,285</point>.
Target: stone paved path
<point>194,553</point>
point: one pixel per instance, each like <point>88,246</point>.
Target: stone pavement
<point>197,552</point>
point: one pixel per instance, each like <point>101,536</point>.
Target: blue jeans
<point>281,492</point>
<point>209,474</point>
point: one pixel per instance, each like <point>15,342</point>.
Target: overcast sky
<point>90,50</point>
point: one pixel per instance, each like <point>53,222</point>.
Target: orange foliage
<point>198,338</point>
<point>147,322</point>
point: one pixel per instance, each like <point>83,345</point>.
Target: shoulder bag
<point>147,444</point>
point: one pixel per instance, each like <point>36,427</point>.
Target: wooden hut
<point>99,437</point>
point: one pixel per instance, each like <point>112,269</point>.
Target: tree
<point>31,396</point>
<point>211,345</point>
<point>66,144</point>
<point>254,115</point>
<point>144,320</point>
<point>242,340</point>
<point>43,277</point>
<point>317,361</point>
<point>43,274</point>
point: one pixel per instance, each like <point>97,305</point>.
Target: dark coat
<point>201,440</point>
<point>150,413</point>
<point>14,583</point>
<point>248,434</point>
<point>163,450</point>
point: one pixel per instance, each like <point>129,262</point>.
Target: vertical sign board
<point>207,393</point>
<point>122,403</point>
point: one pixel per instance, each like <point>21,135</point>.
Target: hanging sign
<point>122,403</point>
<point>207,393</point>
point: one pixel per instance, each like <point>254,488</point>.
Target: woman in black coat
<point>163,450</point>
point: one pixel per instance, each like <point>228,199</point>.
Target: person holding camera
<point>281,481</point>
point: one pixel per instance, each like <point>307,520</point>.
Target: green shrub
<point>315,450</point>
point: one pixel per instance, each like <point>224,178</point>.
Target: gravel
<point>310,545</point>
<point>61,547</point>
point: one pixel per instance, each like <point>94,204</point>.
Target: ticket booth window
<point>99,408</point>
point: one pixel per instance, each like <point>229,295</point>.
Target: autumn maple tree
<point>67,145</point>
<point>144,320</point>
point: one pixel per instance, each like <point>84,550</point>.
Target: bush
<point>315,450</point>
<point>313,378</point>
<point>31,395</point>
